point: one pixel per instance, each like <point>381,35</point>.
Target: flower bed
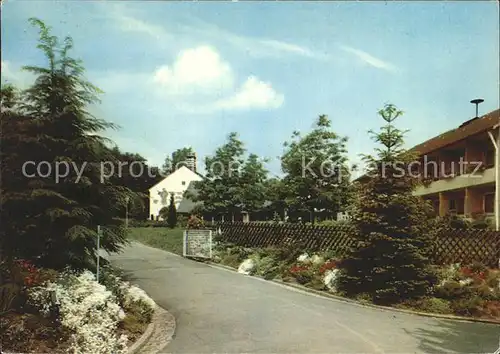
<point>71,312</point>
<point>464,290</point>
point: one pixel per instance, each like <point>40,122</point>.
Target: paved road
<point>219,311</point>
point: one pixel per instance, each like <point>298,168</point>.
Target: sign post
<point>98,248</point>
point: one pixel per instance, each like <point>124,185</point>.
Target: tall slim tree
<point>316,172</point>
<point>393,227</point>
<point>172,213</point>
<point>48,217</point>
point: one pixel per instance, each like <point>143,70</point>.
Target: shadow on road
<point>458,337</point>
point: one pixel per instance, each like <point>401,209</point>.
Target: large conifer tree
<point>393,227</point>
<point>55,222</point>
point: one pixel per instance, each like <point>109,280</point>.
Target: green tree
<point>316,172</point>
<point>232,183</point>
<point>172,213</point>
<point>133,172</point>
<point>393,227</point>
<point>48,219</point>
<point>176,160</point>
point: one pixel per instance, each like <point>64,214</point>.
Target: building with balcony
<point>458,169</point>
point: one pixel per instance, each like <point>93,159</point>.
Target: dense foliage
<point>316,174</point>
<point>50,218</point>
<point>176,160</point>
<point>233,182</point>
<point>393,227</point>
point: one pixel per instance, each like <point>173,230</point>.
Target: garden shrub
<point>87,310</point>
<point>90,312</point>
<point>451,290</point>
<point>195,222</point>
<point>435,305</point>
<point>268,267</point>
<point>469,306</point>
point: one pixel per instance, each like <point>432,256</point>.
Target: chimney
<point>191,162</point>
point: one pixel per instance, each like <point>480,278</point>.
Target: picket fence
<point>450,246</point>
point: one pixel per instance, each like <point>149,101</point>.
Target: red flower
<point>328,266</point>
<point>298,269</point>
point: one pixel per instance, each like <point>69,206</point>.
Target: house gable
<point>175,183</point>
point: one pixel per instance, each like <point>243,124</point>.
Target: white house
<point>175,183</point>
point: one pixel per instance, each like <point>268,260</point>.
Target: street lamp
<point>127,198</point>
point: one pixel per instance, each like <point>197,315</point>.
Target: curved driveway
<point>219,311</point>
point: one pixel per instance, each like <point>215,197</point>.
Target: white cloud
<point>201,81</point>
<point>193,29</point>
<point>256,47</point>
<point>196,70</point>
<point>370,59</point>
<point>254,93</point>
<point>15,75</point>
<point>291,48</point>
<point>6,73</point>
<point>128,23</point>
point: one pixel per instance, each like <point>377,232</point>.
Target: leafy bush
<point>452,290</point>
<point>17,276</point>
<point>268,267</point>
<point>302,273</point>
<point>435,305</point>
<point>87,309</point>
<point>194,222</point>
<point>470,306</point>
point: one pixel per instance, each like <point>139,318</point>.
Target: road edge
<point>358,303</point>
<point>158,334</point>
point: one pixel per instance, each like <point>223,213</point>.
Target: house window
<point>452,205</point>
<point>489,203</point>
<point>183,183</point>
<point>489,158</point>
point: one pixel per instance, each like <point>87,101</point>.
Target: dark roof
<point>468,128</point>
<point>186,205</point>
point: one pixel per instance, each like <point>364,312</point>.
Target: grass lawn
<point>159,237</point>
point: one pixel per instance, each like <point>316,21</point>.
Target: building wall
<point>468,202</point>
<point>176,183</point>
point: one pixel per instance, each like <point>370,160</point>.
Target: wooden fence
<point>450,246</point>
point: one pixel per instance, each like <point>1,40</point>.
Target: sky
<point>177,74</point>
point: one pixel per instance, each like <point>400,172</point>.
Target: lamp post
<point>127,198</point>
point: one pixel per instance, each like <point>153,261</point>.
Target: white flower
<point>247,267</point>
<point>135,294</point>
<point>303,258</point>
<point>315,259</point>
<point>88,310</point>
<point>466,282</point>
<point>330,279</point>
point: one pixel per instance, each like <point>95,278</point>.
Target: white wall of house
<point>177,183</point>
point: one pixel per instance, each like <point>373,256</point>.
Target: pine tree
<point>172,213</point>
<point>54,221</point>
<point>393,227</point>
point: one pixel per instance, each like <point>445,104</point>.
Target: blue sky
<point>186,74</point>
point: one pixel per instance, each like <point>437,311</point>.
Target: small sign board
<point>197,243</point>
